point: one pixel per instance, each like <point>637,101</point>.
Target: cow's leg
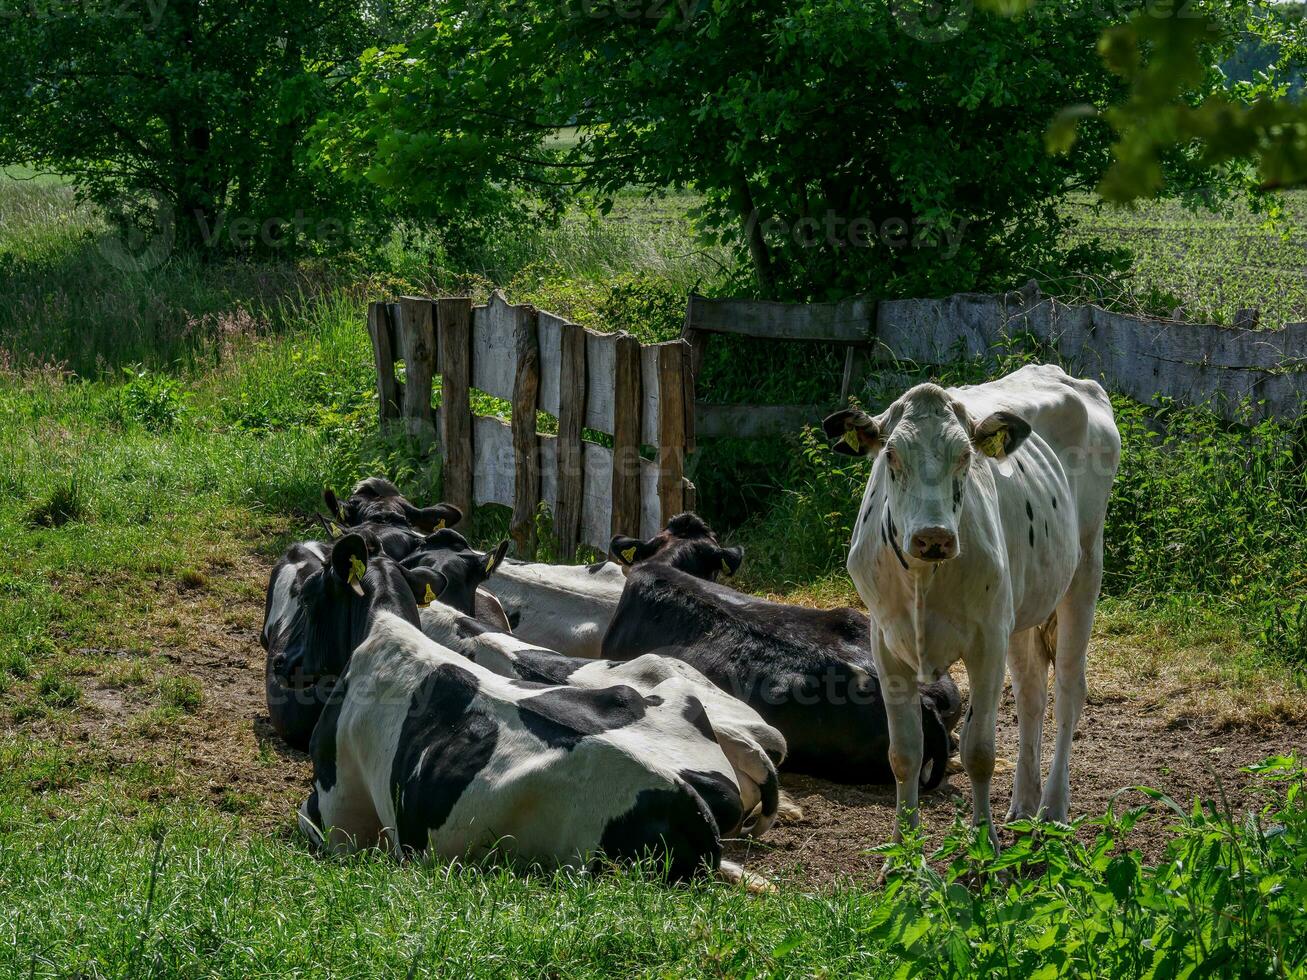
<point>1028,665</point>
<point>1075,621</point>
<point>898,684</point>
<point>985,668</point>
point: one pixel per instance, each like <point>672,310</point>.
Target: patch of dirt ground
<point>226,751</point>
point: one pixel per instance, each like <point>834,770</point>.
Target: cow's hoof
<point>787,810</point>
<point>733,874</point>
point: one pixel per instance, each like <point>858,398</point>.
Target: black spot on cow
<point>957,494</point>
<point>1030,511</point>
<point>313,811</point>
<point>1020,467</point>
<point>696,715</point>
<point>562,717</point>
<point>1032,535</point>
<point>467,628</point>
<point>514,618</point>
<point>721,795</point>
<point>322,743</point>
<point>673,827</point>
<point>545,666</point>
<point>443,744</point>
<point>1054,499</point>
<point>866,514</point>
<point>1046,534</point>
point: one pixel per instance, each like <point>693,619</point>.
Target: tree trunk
<point>751,224</point>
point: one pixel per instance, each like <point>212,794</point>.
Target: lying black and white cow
<point>565,608</point>
<point>753,747</point>
<point>376,500</point>
<point>981,538</point>
<point>806,671</point>
<point>452,572</point>
<point>420,749</point>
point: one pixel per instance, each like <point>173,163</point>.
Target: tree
<point>185,113</point>
<point>891,146</point>
<point>1179,103</point>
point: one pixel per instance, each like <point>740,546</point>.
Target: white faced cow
<point>980,537</point>
<point>753,747</point>
<point>566,608</point>
<point>420,749</point>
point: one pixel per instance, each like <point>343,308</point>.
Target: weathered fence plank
<point>848,321</point>
<point>627,399</point>
<point>754,421</point>
<point>390,397</point>
<point>417,342</point>
<point>670,437</point>
<point>454,326</point>
<point>494,347</point>
<point>570,452</point>
<point>526,449</point>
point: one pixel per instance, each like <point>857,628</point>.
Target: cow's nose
<point>933,544</point>
<point>281,667</point>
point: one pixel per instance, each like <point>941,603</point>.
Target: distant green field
<point>1211,264</point>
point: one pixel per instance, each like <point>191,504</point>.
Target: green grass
<point>164,431</point>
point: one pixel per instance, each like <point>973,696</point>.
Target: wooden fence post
<point>417,341</point>
<point>454,320</point>
<point>628,395</point>
<point>389,390</point>
<point>526,444</point>
<point>671,430</point>
<point>571,453</point>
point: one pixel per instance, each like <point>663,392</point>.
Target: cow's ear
<point>333,505</point>
<point>853,433</point>
<point>999,435</point>
<point>428,520</point>
<point>349,561</point>
<point>731,559</point>
<point>495,558</point>
<point>427,584</point>
<point>329,526</point>
<point>628,551</point>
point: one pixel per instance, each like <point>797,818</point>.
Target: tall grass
<point>181,893</point>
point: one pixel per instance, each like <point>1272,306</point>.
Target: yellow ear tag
<point>629,555</point>
<point>333,530</point>
<point>440,525</point>
<point>852,441</point>
<point>356,570</point>
<point>430,597</point>
<point>726,567</point>
<point>993,445</point>
<point>490,563</point>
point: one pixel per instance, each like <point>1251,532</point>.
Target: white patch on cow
<point>1028,532</point>
<point>560,607</point>
<point>747,740</point>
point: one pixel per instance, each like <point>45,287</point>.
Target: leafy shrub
<point>155,401</point>
<point>1228,898</point>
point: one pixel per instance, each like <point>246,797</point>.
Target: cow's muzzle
<point>933,544</point>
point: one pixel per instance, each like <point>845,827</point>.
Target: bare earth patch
<point>225,751</point>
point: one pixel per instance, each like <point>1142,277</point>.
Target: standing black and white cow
<point>980,537</point>
<point>565,608</point>
<point>422,750</point>
<point>753,747</point>
<point>805,671</point>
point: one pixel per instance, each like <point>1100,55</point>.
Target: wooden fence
<point>1238,371</point>
<point>639,395</point>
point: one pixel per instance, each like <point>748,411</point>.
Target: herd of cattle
<point>457,702</point>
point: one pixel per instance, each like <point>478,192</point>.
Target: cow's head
<point>927,445</point>
<point>456,568</point>
<point>338,602</point>
<point>378,501</point>
<point>687,543</point>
